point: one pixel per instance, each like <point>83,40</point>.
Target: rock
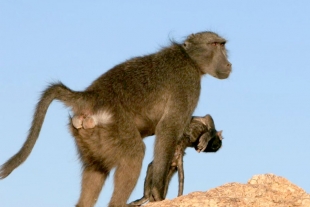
<point>266,190</point>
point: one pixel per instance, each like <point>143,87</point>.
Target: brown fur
<point>152,94</point>
<point>202,131</point>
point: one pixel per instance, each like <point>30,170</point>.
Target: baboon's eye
<point>222,44</point>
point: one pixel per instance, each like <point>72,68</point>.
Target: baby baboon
<point>152,94</point>
<point>200,134</point>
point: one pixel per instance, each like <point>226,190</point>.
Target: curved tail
<point>56,91</point>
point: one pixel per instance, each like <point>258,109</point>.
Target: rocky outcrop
<point>266,190</point>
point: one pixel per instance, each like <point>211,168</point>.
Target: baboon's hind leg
<point>92,182</point>
<point>147,187</point>
<point>127,171</point>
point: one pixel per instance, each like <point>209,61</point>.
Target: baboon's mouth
<point>226,72</point>
<point>222,75</point>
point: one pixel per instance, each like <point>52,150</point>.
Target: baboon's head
<point>215,143</point>
<point>208,51</point>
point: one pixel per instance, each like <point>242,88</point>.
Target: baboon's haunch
<point>200,134</point>
<point>152,94</point>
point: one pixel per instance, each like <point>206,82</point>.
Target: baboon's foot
<point>139,202</point>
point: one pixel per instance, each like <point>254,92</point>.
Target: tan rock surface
<point>261,191</point>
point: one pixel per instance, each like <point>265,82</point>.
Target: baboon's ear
<point>187,42</point>
<point>219,134</point>
<point>208,121</point>
<point>209,126</point>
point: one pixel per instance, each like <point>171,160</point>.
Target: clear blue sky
<point>263,108</point>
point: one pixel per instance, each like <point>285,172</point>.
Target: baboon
<point>200,134</point>
<point>151,94</point>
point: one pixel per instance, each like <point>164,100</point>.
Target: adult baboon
<point>200,134</point>
<point>152,94</point>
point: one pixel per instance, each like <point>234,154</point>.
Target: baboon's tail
<point>56,91</point>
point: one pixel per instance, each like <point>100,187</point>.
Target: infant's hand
<point>203,142</point>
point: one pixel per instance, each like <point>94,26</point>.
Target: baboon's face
<point>208,50</point>
<point>214,144</point>
<point>219,66</point>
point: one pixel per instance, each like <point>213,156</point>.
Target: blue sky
<point>263,108</point>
